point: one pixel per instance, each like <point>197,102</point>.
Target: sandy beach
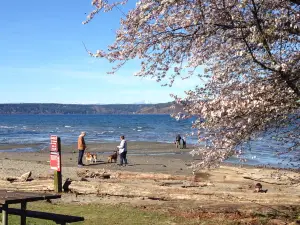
<point>142,157</point>
<point>156,171</point>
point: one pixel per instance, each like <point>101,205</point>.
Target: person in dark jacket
<point>177,141</point>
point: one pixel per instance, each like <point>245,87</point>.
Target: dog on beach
<point>113,157</point>
<point>90,157</point>
<point>258,188</point>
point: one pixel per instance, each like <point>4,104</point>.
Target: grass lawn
<point>123,214</point>
<point>95,214</point>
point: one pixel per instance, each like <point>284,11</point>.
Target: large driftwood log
<point>34,185</point>
<point>130,175</point>
<point>131,190</point>
<point>25,176</point>
<point>93,174</point>
<point>149,176</point>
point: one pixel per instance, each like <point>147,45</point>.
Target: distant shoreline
<point>86,109</point>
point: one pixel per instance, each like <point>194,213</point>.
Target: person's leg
<point>121,158</point>
<point>125,158</point>
<point>82,157</point>
<point>177,144</point>
<point>81,153</point>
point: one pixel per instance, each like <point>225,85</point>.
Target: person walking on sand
<point>81,148</point>
<point>122,150</point>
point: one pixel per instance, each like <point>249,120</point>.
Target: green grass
<point>124,214</point>
<point>96,214</point>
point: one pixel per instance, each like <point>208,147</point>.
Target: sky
<point>43,60</point>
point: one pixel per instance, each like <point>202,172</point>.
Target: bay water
<point>37,129</point>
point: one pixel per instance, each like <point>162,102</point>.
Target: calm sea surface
<point>36,129</point>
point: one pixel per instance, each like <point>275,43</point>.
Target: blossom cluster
<point>251,53</point>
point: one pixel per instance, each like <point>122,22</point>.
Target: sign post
<point>55,162</point>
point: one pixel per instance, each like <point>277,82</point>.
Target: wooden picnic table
<point>15,197</point>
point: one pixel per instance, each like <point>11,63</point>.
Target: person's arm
<point>80,143</point>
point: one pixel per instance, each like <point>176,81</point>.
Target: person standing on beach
<point>122,150</point>
<point>81,148</point>
<point>177,141</point>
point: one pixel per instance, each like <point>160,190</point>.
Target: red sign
<point>53,144</point>
<point>55,161</point>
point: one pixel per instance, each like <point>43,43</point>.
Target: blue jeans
<point>123,158</point>
<point>80,156</point>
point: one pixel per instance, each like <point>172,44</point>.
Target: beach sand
<point>142,157</point>
<point>156,171</point>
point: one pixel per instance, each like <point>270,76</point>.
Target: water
<point>32,129</point>
<point>36,129</point>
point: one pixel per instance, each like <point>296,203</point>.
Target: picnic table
<point>16,197</point>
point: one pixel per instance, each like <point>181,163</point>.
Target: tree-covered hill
<point>45,108</point>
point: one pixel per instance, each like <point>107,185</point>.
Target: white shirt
<point>122,147</point>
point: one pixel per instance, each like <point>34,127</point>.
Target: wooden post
<point>57,181</point>
<point>4,215</point>
<point>23,213</point>
<point>55,162</point>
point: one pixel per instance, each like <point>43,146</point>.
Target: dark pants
<point>80,156</point>
<point>123,158</point>
<point>183,144</point>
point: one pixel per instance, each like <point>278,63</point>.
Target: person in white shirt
<point>122,150</point>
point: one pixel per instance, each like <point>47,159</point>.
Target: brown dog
<point>113,157</point>
<point>90,157</point>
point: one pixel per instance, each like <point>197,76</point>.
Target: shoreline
<point>139,151</point>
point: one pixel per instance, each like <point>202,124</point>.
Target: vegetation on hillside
<point>36,108</point>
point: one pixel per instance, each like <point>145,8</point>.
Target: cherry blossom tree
<point>250,50</point>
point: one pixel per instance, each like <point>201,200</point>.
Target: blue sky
<point>42,58</point>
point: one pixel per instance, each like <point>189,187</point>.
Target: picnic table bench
<point>14,197</point>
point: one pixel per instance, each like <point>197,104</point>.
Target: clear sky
<point>42,58</point>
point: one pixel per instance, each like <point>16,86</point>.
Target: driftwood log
<point>24,177</point>
<point>93,174</point>
<point>102,174</point>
